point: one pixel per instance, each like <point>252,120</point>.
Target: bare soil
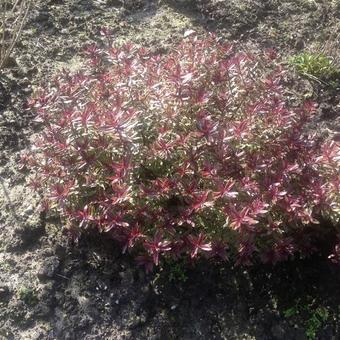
<point>50,289</point>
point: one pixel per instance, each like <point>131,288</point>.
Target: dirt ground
<point>52,290</point>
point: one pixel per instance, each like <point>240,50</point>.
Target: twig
<point>64,277</point>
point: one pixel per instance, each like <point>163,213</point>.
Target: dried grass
<point>13,15</point>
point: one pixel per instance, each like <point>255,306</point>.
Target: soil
<point>50,289</point>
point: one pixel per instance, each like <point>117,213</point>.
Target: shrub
<point>196,152</point>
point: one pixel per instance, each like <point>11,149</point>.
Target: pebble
<point>29,210</point>
<point>4,292</point>
<point>49,267</point>
<point>127,277</point>
<point>278,332</point>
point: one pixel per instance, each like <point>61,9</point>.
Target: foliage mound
<point>194,153</point>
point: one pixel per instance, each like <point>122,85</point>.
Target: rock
<point>278,332</point>
<point>55,2</point>
<point>42,16</point>
<point>68,335</point>
<point>49,267</point>
<point>47,294</point>
<point>114,2</point>
<point>127,277</point>
<point>30,209</point>
<point>242,308</point>
<point>299,334</point>
<point>26,236</point>
<point>10,62</point>
<point>27,90</point>
<point>4,96</point>
<point>43,310</point>
<point>47,252</point>
<point>141,275</point>
<point>145,289</point>
<point>4,293</point>
<point>84,321</point>
<point>84,302</point>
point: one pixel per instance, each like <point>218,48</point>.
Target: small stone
<point>145,289</point>
<point>55,2</point>
<point>27,90</point>
<point>278,332</point>
<point>42,17</point>
<point>10,62</point>
<point>4,292</point>
<point>29,210</point>
<point>127,277</point>
<point>84,302</point>
<point>141,274</point>
<point>114,2</point>
<point>43,310</point>
<point>299,334</point>
<point>49,267</point>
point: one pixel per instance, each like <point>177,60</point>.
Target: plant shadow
<point>193,301</point>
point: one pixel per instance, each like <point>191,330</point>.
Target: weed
<point>28,295</point>
<point>6,266</point>
<point>289,312</point>
<point>177,272</point>
<point>312,317</point>
<point>315,321</point>
<point>317,66</point>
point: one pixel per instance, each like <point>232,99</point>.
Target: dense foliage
<point>196,152</point>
